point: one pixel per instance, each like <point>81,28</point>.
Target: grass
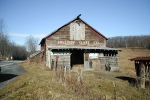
<point>127,66</point>
<point>36,84</point>
<point>39,83</point>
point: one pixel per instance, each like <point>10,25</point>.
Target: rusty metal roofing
<point>88,48</point>
<point>141,58</point>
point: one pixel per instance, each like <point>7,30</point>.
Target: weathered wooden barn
<point>71,44</point>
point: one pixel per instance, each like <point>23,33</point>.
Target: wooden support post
<point>86,60</point>
<point>52,64</point>
<point>135,63</point>
<point>146,69</point>
<point>56,62</point>
<point>49,59</point>
<point>142,75</point>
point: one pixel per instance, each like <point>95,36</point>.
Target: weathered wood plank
<point>84,33</point>
<point>77,31</point>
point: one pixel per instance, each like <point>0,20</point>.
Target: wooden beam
<point>142,78</point>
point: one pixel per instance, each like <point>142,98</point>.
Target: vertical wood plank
<point>77,31</point>
<point>86,60</point>
<point>72,31</point>
<point>82,31</point>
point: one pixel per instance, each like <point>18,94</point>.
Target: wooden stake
<point>114,90</point>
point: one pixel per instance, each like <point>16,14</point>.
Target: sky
<point>41,17</point>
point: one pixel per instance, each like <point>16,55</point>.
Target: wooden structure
<point>142,68</point>
<point>71,44</point>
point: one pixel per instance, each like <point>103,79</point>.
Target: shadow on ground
<point>5,77</point>
<point>131,80</point>
<point>134,81</point>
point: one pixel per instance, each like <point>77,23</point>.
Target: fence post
<point>79,79</point>
<point>114,90</point>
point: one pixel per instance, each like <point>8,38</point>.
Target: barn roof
<point>140,59</point>
<point>84,48</point>
<point>77,18</point>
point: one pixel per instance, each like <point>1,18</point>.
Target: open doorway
<point>77,57</point>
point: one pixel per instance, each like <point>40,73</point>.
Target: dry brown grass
<point>36,84</point>
<point>127,66</point>
<point>39,83</point>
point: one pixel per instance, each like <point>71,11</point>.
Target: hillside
<point>127,66</point>
<point>39,83</point>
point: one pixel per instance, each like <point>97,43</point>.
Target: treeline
<point>9,49</point>
<point>142,41</point>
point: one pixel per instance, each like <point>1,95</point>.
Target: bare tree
<point>7,48</point>
<point>4,40</point>
<point>31,44</point>
<point>129,41</point>
<point>2,27</point>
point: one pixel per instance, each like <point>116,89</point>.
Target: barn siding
<point>62,38</point>
<point>77,31</point>
<point>63,60</point>
<point>112,60</point>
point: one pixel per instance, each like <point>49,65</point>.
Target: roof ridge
<point>76,18</point>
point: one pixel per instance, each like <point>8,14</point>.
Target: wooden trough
<point>142,68</point>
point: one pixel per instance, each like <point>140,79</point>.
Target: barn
<point>72,44</point>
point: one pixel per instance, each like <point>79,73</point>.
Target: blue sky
<point>41,17</point>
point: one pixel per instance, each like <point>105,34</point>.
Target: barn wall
<point>42,46</point>
<point>95,64</point>
<point>63,60</point>
<point>62,38</point>
<point>112,60</point>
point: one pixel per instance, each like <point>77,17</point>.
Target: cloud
<point>26,35</point>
